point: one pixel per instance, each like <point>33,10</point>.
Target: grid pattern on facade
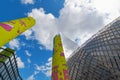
<point>8,65</point>
<point>99,57</point>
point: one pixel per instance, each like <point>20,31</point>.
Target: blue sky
<point>77,20</point>
<point>13,9</point>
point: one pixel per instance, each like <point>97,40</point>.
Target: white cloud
<point>46,69</point>
<point>32,77</point>
<point>20,63</point>
<point>29,61</point>
<point>28,34</point>
<point>27,53</point>
<point>45,29</point>
<point>78,20</point>
<point>14,44</point>
<point>110,7</point>
<point>27,1</point>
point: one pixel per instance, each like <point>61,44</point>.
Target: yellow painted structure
<point>11,29</point>
<point>59,66</point>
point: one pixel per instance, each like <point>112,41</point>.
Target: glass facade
<point>8,65</point>
<point>99,57</point>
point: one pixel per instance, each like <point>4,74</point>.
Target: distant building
<point>99,57</point>
<point>8,65</point>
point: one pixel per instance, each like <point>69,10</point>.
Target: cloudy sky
<point>76,20</point>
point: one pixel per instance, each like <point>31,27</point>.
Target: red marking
<point>55,73</point>
<point>12,22</point>
<point>62,54</point>
<point>19,32</point>
<point>55,68</point>
<point>64,64</point>
<point>60,73</point>
<point>6,26</point>
<point>54,76</point>
<point>22,23</point>
<point>60,44</point>
<point>66,75</point>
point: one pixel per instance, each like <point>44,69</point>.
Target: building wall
<point>99,57</point>
<point>8,66</point>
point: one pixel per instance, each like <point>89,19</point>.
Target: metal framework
<point>8,65</point>
<point>99,57</point>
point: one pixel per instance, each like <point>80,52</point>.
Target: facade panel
<point>99,57</point>
<point>8,65</point>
